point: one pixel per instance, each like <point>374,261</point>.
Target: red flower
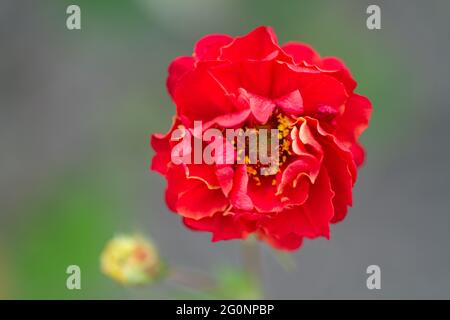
<point>252,82</point>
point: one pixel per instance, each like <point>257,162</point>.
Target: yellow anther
<point>251,170</point>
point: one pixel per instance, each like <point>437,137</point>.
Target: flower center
<point>258,171</point>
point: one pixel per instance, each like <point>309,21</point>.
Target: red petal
<point>340,164</point>
<point>176,183</point>
<point>318,210</point>
<point>306,165</point>
<point>341,182</point>
<point>355,118</point>
<point>204,173</point>
<point>304,142</point>
<point>200,97</point>
<point>301,52</point>
<point>230,120</point>
<point>292,103</point>
<point>177,69</point>
<point>337,146</point>
<point>186,196</point>
<point>352,124</point>
<point>296,195</point>
<point>259,44</point>
<point>289,242</point>
<point>192,204</point>
<point>161,144</point>
<point>264,198</point>
<point>340,72</point>
<point>309,220</point>
<point>223,227</point>
<point>208,47</point>
<point>358,153</point>
<point>253,76</point>
<point>316,88</point>
<point>239,197</point>
<point>225,175</point>
<point>160,160</point>
<point>261,107</point>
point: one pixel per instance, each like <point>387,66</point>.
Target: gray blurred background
<point>77,109</point>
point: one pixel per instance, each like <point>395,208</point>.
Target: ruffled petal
<point>353,122</point>
<point>223,226</point>
<point>289,242</point>
<point>301,52</point>
<point>309,220</point>
<point>316,88</point>
<point>296,195</point>
<point>292,103</point>
<point>264,197</point>
<point>260,107</point>
<point>200,97</point>
<point>254,76</point>
<point>161,144</point>
<point>338,69</point>
<point>340,163</point>
<point>225,176</point>
<point>177,69</point>
<point>239,197</point>
<point>260,44</point>
<point>304,165</point>
<point>305,54</point>
<point>231,120</point>
<point>204,173</point>
<point>185,195</point>
<point>192,204</point>
<point>341,182</point>
<point>208,47</point>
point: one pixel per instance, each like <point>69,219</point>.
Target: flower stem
<point>252,262</point>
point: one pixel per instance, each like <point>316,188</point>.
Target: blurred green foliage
<point>69,225</point>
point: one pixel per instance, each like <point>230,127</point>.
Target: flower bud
<point>131,260</point>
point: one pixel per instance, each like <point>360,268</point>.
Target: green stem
<point>252,262</point>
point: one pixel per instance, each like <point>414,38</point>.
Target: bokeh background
<point>77,109</point>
